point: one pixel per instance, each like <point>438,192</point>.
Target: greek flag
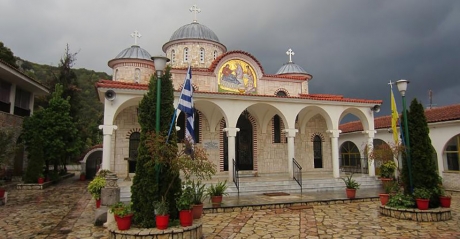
<point>186,106</point>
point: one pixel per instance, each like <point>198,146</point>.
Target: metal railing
<point>297,173</point>
<point>354,165</point>
<point>236,178</point>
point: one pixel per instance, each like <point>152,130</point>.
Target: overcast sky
<point>351,47</point>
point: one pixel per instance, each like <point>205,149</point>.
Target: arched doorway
<point>93,163</point>
<point>350,157</point>
<point>244,144</point>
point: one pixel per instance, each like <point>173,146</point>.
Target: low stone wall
<point>36,186</point>
<point>194,231</point>
<point>431,215</point>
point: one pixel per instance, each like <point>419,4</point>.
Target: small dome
<point>134,52</point>
<point>194,30</point>
<point>291,68</point>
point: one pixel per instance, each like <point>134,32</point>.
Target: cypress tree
<point>152,179</point>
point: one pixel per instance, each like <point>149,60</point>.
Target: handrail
<point>236,178</point>
<point>297,173</point>
<point>354,165</point>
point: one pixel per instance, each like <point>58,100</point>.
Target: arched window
<point>317,152</point>
<point>181,122</point>
<point>350,156</point>
<point>115,75</point>
<point>276,129</point>
<point>173,56</point>
<point>202,55</point>
<point>452,154</point>
<point>215,54</point>
<point>134,139</point>
<point>281,93</point>
<point>186,54</point>
<point>137,75</point>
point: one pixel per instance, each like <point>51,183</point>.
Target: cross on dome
<point>195,9</point>
<point>136,35</point>
<point>290,53</point>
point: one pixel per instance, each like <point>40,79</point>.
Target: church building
<point>266,123</point>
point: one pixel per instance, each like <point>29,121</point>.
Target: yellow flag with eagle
<point>394,118</point>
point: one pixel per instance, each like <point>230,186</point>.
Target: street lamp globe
<point>160,63</point>
<point>402,86</point>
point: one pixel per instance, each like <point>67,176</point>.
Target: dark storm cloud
<point>351,47</point>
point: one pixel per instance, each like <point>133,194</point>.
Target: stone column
<point>370,148</point>
<point>335,152</point>
<point>107,131</point>
<point>110,194</point>
<point>231,134</point>
<point>290,134</point>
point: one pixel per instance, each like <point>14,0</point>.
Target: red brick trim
<point>312,137</point>
<point>132,131</point>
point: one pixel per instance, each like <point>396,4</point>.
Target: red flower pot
<point>422,204</point>
<point>216,201</point>
<point>197,211</point>
<point>185,218</point>
<point>98,203</point>
<point>123,223</point>
<point>384,197</point>
<point>41,180</point>
<point>2,192</point>
<point>445,201</point>
<point>82,177</point>
<point>162,221</point>
<point>351,193</point>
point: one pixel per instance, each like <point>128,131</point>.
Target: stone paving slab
<point>66,210</point>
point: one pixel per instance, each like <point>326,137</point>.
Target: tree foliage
<point>7,55</point>
<point>152,179</point>
<point>54,131</point>
<point>7,146</point>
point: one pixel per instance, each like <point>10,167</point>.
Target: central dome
<point>194,30</point>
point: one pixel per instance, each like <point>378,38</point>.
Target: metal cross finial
<point>290,53</point>
<point>136,35</point>
<point>195,9</point>
<point>391,84</point>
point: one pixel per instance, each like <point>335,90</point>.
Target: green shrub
<point>350,183</point>
<point>400,200</point>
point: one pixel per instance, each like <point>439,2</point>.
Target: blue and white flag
<point>186,106</point>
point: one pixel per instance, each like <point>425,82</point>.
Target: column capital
<point>108,129</point>
<point>334,132</point>
<point>370,133</point>
<point>290,133</point>
<point>231,132</point>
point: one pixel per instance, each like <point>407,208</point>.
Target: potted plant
<point>161,214</point>
<point>95,188</point>
<point>184,205</point>
<point>390,188</point>
<point>351,186</point>
<point>216,192</point>
<point>41,179</point>
<point>2,189</point>
<point>123,215</point>
<point>422,197</point>
<point>82,176</point>
<point>198,196</point>
<point>444,198</point>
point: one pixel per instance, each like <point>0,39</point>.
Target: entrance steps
<point>270,183</point>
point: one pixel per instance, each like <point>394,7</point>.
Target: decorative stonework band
<point>431,215</point>
<point>194,231</point>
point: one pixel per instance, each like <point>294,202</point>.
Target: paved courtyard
<point>66,210</point>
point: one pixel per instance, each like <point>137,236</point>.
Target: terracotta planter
<point>445,201</point>
<point>123,223</point>
<point>216,201</point>
<point>162,221</point>
<point>2,192</point>
<point>82,177</point>
<point>384,197</point>
<point>351,193</point>
<point>422,204</point>
<point>197,211</point>
<point>386,181</point>
<point>41,180</point>
<point>98,203</point>
<point>185,218</point>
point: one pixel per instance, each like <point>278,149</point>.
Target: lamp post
<point>160,64</point>
<point>402,87</point>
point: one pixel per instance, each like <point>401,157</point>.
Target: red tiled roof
<point>438,114</point>
<point>325,97</point>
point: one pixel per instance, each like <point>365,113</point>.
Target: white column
<point>290,134</point>
<point>31,103</point>
<point>370,148</point>
<point>231,134</point>
<point>12,98</point>
<point>335,152</point>
<point>107,131</point>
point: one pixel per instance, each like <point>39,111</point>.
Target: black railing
<point>297,173</point>
<point>354,165</point>
<point>236,178</point>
